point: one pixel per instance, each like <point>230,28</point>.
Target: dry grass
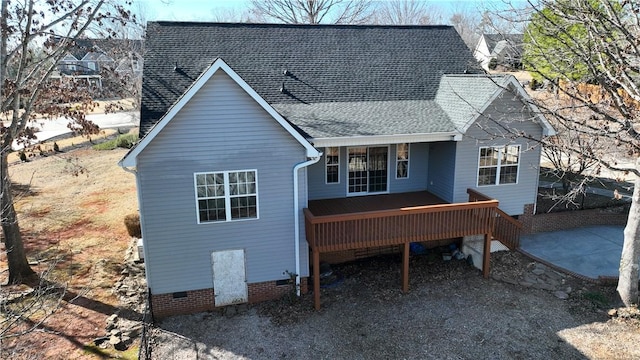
<point>76,221</point>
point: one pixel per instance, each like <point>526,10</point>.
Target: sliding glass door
<point>367,167</point>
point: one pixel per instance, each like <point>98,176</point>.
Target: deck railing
<point>507,229</point>
<point>398,226</point>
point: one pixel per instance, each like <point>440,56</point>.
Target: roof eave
<point>385,139</point>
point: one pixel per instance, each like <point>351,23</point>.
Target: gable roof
<point>130,159</point>
<point>465,97</point>
<point>509,45</point>
<point>312,64</point>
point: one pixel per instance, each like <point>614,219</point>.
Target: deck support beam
<point>486,255</point>
<point>405,268</point>
<point>316,278</point>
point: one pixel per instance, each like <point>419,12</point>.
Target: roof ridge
<point>277,25</point>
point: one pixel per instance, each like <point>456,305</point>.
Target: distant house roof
<point>312,73</point>
<point>509,45</point>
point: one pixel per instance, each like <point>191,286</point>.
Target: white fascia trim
<point>130,159</point>
<point>547,129</point>
<point>386,139</point>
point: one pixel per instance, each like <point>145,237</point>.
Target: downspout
<point>296,215</point>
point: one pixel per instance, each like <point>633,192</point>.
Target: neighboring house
<point>257,139</point>
<point>506,49</point>
<point>96,62</point>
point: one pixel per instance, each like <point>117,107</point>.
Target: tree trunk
<point>628,282</point>
<point>19,269</point>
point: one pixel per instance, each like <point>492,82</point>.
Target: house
<point>506,49</point>
<point>262,141</point>
<point>98,63</point>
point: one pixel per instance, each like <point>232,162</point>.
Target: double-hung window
<point>498,165</point>
<point>402,161</point>
<point>226,195</point>
<point>332,164</point>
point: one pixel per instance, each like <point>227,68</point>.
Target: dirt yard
<point>76,222</point>
<point>451,312</point>
<point>71,207</point>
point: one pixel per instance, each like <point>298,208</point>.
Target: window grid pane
<point>357,164</point>
<point>242,198</point>
<point>402,160</point>
<point>332,163</point>
<point>498,165</point>
<point>212,197</point>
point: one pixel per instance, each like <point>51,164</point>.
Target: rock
<point>99,341</point>
<point>612,312</point>
<point>509,280</point>
<point>552,282</point>
<point>121,346</point>
<point>561,295</point>
<point>538,271</point>
<point>115,332</point>
<point>568,289</point>
<point>526,283</point>
<point>114,340</point>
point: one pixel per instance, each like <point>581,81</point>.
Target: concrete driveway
<point>592,251</point>
<point>52,128</point>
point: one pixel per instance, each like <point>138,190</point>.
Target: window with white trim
<point>402,161</point>
<point>498,165</point>
<point>226,195</point>
<point>332,164</point>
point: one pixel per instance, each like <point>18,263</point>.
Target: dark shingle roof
<point>463,96</point>
<point>509,45</point>
<point>367,118</point>
<point>326,64</point>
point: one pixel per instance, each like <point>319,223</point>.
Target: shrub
<point>493,64</point>
<point>124,141</point>
<point>132,222</point>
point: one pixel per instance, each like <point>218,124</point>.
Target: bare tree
<point>408,12</point>
<point>312,11</point>
<point>35,36</point>
<point>467,23</point>
<point>603,38</point>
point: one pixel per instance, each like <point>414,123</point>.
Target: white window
<point>226,195</point>
<point>402,161</point>
<point>91,65</point>
<point>498,165</point>
<point>332,165</point>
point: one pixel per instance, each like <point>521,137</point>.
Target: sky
<point>222,10</point>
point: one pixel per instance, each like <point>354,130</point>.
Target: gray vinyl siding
<point>418,165</point>
<point>512,197</point>
<point>220,128</point>
<point>417,180</point>
<point>442,169</point>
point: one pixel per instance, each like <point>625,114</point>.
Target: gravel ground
<point>451,312</point>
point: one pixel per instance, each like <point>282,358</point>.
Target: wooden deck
<point>394,219</point>
<point>373,203</point>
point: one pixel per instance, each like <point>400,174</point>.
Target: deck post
<point>486,255</point>
<point>316,278</point>
<point>405,268</point>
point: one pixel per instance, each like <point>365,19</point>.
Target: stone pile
<point>123,327</point>
<point>539,276</point>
